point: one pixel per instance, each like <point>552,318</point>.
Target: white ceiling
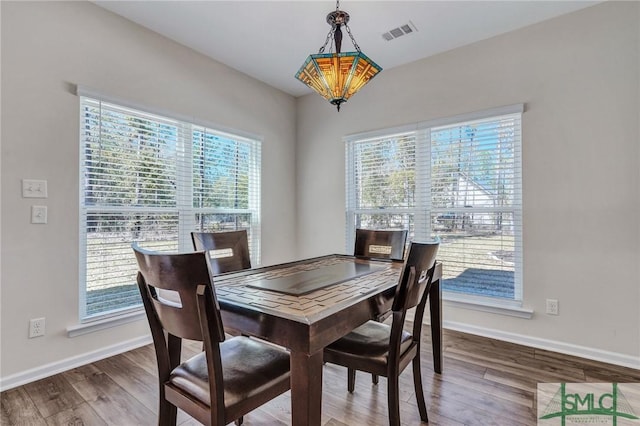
<point>269,40</point>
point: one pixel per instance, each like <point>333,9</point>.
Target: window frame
<point>184,207</point>
<point>422,210</point>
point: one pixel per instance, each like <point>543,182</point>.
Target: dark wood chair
<point>231,377</point>
<point>229,250</point>
<point>380,244</point>
<point>386,350</point>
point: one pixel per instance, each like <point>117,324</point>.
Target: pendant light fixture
<point>337,76</point>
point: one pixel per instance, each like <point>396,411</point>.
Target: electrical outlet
<point>36,327</point>
<point>552,306</point>
<point>38,214</point>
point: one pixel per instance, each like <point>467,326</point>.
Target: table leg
<point>306,388</point>
<point>435,310</point>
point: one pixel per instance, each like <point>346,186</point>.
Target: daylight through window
<point>458,179</point>
<point>153,180</point>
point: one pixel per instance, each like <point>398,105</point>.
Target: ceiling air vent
<point>399,31</point>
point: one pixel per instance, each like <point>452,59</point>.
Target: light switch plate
<point>38,214</point>
<point>33,188</point>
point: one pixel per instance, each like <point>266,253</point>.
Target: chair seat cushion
<point>369,341</point>
<point>249,366</point>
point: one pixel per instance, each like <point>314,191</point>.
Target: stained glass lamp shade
<point>337,76</point>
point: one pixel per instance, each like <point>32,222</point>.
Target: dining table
<point>305,305</point>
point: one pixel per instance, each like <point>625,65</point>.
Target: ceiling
<point>269,40</point>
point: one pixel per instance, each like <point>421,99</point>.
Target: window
<point>458,179</point>
<point>153,179</point>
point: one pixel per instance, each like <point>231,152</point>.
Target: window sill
<point>486,304</point>
<point>102,324</point>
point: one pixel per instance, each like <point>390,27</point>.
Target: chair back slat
<point>169,283</point>
<point>228,250</point>
<point>412,287</point>
<point>380,244</point>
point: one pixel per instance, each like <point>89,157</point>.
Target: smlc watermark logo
<point>615,404</point>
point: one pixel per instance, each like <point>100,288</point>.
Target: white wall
<point>579,78</point>
<point>46,49</point>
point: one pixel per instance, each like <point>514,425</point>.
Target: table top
<point>308,281</point>
<point>307,323</point>
<point>235,288</point>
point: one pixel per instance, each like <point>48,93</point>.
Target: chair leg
<point>374,379</point>
<point>167,413</point>
<point>393,399</point>
<point>351,379</point>
<point>239,421</point>
<point>417,384</point>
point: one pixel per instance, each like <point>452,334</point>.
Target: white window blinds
<point>476,205</point>
<point>152,179</point>
<point>385,191</point>
<point>461,182</point>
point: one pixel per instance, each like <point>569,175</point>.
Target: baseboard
<point>48,370</point>
<point>550,345</point>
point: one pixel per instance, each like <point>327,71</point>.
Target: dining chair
<point>380,244</point>
<point>228,250</point>
<point>386,350</point>
<point>232,376</point>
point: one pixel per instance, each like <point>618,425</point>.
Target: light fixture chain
<point>353,40</point>
<point>326,41</point>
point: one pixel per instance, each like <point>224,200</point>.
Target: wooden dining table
<point>308,304</point>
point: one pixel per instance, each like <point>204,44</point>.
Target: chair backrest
<point>416,276</point>
<point>380,244</point>
<point>228,250</point>
<point>168,284</point>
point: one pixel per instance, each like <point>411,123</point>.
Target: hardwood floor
<point>484,382</point>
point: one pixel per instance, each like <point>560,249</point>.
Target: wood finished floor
<point>484,382</point>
